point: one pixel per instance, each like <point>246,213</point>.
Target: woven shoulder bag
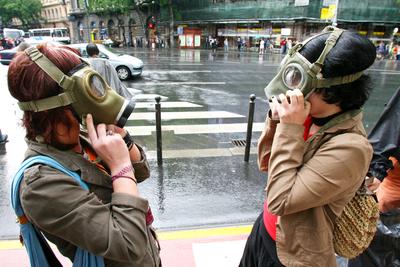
<point>356,226</point>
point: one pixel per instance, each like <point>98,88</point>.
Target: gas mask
<point>84,89</point>
<point>296,72</point>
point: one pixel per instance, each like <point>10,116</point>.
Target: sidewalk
<point>211,247</point>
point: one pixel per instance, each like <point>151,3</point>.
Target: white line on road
<point>150,105</point>
<point>385,71</point>
<point>175,71</point>
<point>197,128</point>
<point>180,83</point>
<point>149,96</point>
<point>185,115</point>
<point>175,64</point>
<point>200,153</point>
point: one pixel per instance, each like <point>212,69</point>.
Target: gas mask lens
<point>293,76</point>
<point>97,87</point>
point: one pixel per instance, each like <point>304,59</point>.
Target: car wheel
<point>123,73</point>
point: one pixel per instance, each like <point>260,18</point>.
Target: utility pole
<point>334,19</point>
<point>171,24</point>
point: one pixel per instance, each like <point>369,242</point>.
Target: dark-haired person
<point>104,67</point>
<point>111,219</point>
<point>314,149</point>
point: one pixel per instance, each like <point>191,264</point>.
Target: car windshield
<point>12,34</point>
<point>107,51</point>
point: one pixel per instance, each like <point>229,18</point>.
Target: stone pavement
<point>211,247</point>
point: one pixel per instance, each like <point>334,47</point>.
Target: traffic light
<point>151,22</point>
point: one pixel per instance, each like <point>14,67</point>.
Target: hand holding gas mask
<point>290,108</point>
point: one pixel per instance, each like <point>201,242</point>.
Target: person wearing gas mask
<point>314,148</point>
<point>78,189</point>
<point>107,71</point>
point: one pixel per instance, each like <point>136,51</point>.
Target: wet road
<point>199,184</point>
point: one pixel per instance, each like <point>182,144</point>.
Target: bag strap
<point>39,251</point>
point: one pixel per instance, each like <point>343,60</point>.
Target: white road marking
<point>185,115</point>
<point>150,105</point>
<point>179,83</point>
<point>200,153</point>
<point>175,71</point>
<point>218,254</point>
<point>149,97</point>
<point>196,128</point>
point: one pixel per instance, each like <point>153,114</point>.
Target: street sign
<point>301,2</point>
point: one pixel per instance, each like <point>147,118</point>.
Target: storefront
<point>189,37</point>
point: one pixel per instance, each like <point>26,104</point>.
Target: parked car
<point>7,55</point>
<point>127,66</point>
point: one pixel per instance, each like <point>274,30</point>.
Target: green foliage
<point>109,6</point>
<point>115,6</point>
<point>27,11</point>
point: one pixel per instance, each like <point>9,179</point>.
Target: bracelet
<point>124,170</point>
<point>128,139</point>
<point>115,177</point>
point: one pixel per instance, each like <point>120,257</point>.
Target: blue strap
<point>30,234</point>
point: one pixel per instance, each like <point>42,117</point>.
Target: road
<point>205,98</point>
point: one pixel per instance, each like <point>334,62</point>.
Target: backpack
<point>356,226</point>
<point>39,251</point>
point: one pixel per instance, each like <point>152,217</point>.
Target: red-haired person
<point>111,219</point>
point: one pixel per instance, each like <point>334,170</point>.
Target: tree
<point>172,14</point>
<point>27,11</point>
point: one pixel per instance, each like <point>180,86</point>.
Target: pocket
<point>313,241</point>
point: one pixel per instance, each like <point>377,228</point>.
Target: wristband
<point>128,139</point>
<point>115,177</point>
<point>124,170</point>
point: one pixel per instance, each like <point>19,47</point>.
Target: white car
<point>127,66</point>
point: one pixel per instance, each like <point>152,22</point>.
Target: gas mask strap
<point>48,67</point>
<point>329,44</point>
<point>60,100</point>
<point>328,82</point>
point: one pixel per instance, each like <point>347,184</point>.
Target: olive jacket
<point>308,180</point>
<point>112,225</point>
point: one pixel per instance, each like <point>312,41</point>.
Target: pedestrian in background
<point>226,45</point>
<point>109,220</point>
<point>283,46</point>
<point>239,43</point>
<point>314,148</point>
<point>262,46</point>
<point>107,71</point>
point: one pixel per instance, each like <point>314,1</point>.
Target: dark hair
<point>92,50</point>
<point>27,82</point>
<point>352,53</point>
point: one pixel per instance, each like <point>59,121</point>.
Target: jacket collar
<point>351,119</point>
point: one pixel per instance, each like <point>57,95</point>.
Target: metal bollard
<point>249,127</point>
<point>158,130</point>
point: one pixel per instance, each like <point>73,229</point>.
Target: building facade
<point>251,20</point>
<point>126,29</point>
<point>55,14</point>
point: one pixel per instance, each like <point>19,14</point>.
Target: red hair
<point>27,82</point>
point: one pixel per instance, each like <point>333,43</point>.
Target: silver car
<point>127,66</point>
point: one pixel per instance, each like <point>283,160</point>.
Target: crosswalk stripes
<point>144,115</point>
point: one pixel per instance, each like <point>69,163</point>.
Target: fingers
<point>101,130</point>
<point>90,127</point>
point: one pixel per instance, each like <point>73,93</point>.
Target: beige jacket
<point>308,179</point>
<point>108,224</point>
